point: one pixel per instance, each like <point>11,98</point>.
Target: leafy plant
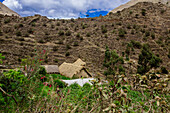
<point>147,60</point>
<point>111,60</point>
<point>1,58</point>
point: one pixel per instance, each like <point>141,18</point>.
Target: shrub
<point>136,44</point>
<point>55,48</point>
<point>6,21</point>
<point>1,34</point>
<point>75,44</point>
<point>31,31</point>
<point>67,54</point>
<point>41,41</point>
<point>59,83</point>
<point>88,34</point>
<point>143,12</point>
<point>78,35</point>
<point>164,70</point>
<point>68,47</point>
<point>121,70</point>
<point>163,11</point>
<point>153,35</point>
<point>147,33</point>
<point>106,36</point>
<point>61,33</point>
<point>104,29</point>
<point>21,25</point>
<point>60,42</point>
<point>128,26</point>
<point>58,23</point>
<point>46,33</point>
<point>111,61</point>
<point>33,24</point>
<point>122,32</point>
<point>21,39</point>
<point>130,12</point>
<point>1,58</point>
<point>42,70</point>
<point>72,19</point>
<point>18,33</point>
<point>132,32</point>
<point>68,33</point>
<point>26,35</point>
<point>56,60</point>
<point>147,60</point>
<point>74,86</point>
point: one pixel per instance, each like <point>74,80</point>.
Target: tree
<point>147,60</point>
<point>111,62</point>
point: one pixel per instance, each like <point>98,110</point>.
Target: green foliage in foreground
<point>45,94</point>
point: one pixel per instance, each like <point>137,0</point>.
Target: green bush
<point>75,86</point>
<point>18,33</point>
<point>42,71</point>
<point>111,61</point>
<point>143,12</point>
<point>59,83</point>
<point>6,21</point>
<point>55,48</point>
<point>88,34</point>
<point>147,60</point>
<point>1,34</point>
<point>147,33</point>
<point>104,29</point>
<point>68,33</point>
<point>136,44</point>
<point>67,54</point>
<point>122,32</point>
<point>76,44</point>
<point>68,47</point>
<point>56,60</point>
<point>164,70</point>
<point>61,33</point>
<point>1,58</point>
<point>31,31</point>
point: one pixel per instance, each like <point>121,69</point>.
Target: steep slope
<point>4,10</point>
<point>133,2</point>
<point>67,40</point>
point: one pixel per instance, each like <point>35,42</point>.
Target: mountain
<point>87,38</point>
<point>133,2</point>
<point>4,10</point>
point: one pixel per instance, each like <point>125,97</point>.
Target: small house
<point>75,70</point>
<point>51,69</point>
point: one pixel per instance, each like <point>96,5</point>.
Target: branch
<point>9,95</point>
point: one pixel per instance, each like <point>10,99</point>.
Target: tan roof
<point>79,62</point>
<point>69,70</point>
<point>51,68</point>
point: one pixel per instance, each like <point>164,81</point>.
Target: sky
<point>63,8</point>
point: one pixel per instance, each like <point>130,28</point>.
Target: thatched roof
<point>69,70</point>
<point>79,62</point>
<point>51,68</point>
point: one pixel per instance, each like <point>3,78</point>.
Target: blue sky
<point>63,8</point>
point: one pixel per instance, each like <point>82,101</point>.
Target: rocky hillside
<point>4,10</point>
<point>67,40</point>
<point>133,2</point>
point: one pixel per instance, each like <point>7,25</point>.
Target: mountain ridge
<point>4,10</point>
<point>133,2</point>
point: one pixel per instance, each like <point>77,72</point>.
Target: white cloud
<point>60,8</point>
